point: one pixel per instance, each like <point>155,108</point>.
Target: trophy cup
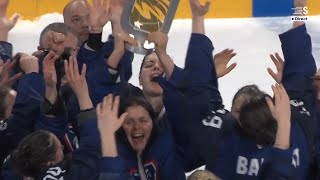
<point>140,17</point>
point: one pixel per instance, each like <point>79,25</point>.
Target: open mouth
<point>155,77</point>
<point>137,137</point>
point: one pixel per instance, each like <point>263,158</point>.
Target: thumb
<point>273,74</point>
<point>122,118</point>
<point>231,67</point>
<point>14,18</point>
<point>151,37</point>
<point>207,5</point>
<point>127,38</point>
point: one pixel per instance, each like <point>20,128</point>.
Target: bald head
<point>76,16</point>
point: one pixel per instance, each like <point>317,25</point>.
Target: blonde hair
<point>203,175</point>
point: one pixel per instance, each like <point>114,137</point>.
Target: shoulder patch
<point>151,169</point>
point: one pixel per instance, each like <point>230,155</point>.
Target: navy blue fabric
<point>159,159</point>
<point>198,113</point>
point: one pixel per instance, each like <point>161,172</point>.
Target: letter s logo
<point>305,10</point>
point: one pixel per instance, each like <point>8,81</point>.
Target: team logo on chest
<point>150,168</point>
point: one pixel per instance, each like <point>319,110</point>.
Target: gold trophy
<point>145,16</point>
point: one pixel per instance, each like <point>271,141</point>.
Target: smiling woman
<point>31,9</point>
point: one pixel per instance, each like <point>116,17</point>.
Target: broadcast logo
<point>299,14</point>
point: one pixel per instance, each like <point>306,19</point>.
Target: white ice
<point>252,38</point>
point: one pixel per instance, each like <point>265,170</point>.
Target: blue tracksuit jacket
<point>215,133</point>
<point>159,159</point>
<point>84,161</point>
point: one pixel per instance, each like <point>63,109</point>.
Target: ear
<point>49,163</point>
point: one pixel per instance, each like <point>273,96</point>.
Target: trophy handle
<point>170,16</point>
<point>141,35</point>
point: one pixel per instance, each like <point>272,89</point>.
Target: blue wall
<point>272,8</point>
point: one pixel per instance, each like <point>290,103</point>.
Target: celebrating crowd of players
<point>68,111</point>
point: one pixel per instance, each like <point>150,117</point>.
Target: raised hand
<point>99,14</point>
<point>76,80</point>
<point>198,9</point>
<point>6,24</point>
<point>116,8</point>
<point>300,3</point>
<point>221,61</point>
<point>121,39</point>
<point>282,113</point>
<point>5,69</point>
<point>55,37</point>
<point>160,40</point>
<point>49,70</point>
<point>107,114</point>
<point>119,48</point>
<point>279,63</point>
<point>281,108</point>
<point>29,64</point>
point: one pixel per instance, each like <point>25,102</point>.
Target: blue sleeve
<point>317,141</point>
<point>4,142</point>
<point>199,67</point>
<point>171,164</point>
<point>85,160</point>
<point>125,65</point>
<point>299,68</point>
<point>197,126</point>
<point>100,83</point>
<point>5,50</point>
<point>278,165</point>
<point>194,103</point>
<point>299,65</point>
<point>199,61</point>
<point>94,58</point>
<point>30,92</point>
<point>114,168</point>
<point>56,125</point>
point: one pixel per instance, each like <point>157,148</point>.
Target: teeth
<point>137,135</point>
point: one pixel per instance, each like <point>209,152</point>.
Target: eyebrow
<point>150,61</point>
<point>74,16</point>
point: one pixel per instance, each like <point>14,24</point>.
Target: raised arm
<point>112,166</point>
<point>297,49</point>
<point>6,24</point>
<point>105,77</point>
<point>85,160</point>
<point>296,72</point>
<point>99,16</point>
<point>53,116</point>
<point>198,12</point>
<point>279,164</point>
<point>199,62</point>
<point>30,91</point>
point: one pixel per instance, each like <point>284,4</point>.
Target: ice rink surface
<point>252,38</point>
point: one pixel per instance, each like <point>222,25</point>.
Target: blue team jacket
<point>98,76</point>
<point>84,161</point>
<point>159,159</point>
<point>214,135</point>
<point>26,109</point>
